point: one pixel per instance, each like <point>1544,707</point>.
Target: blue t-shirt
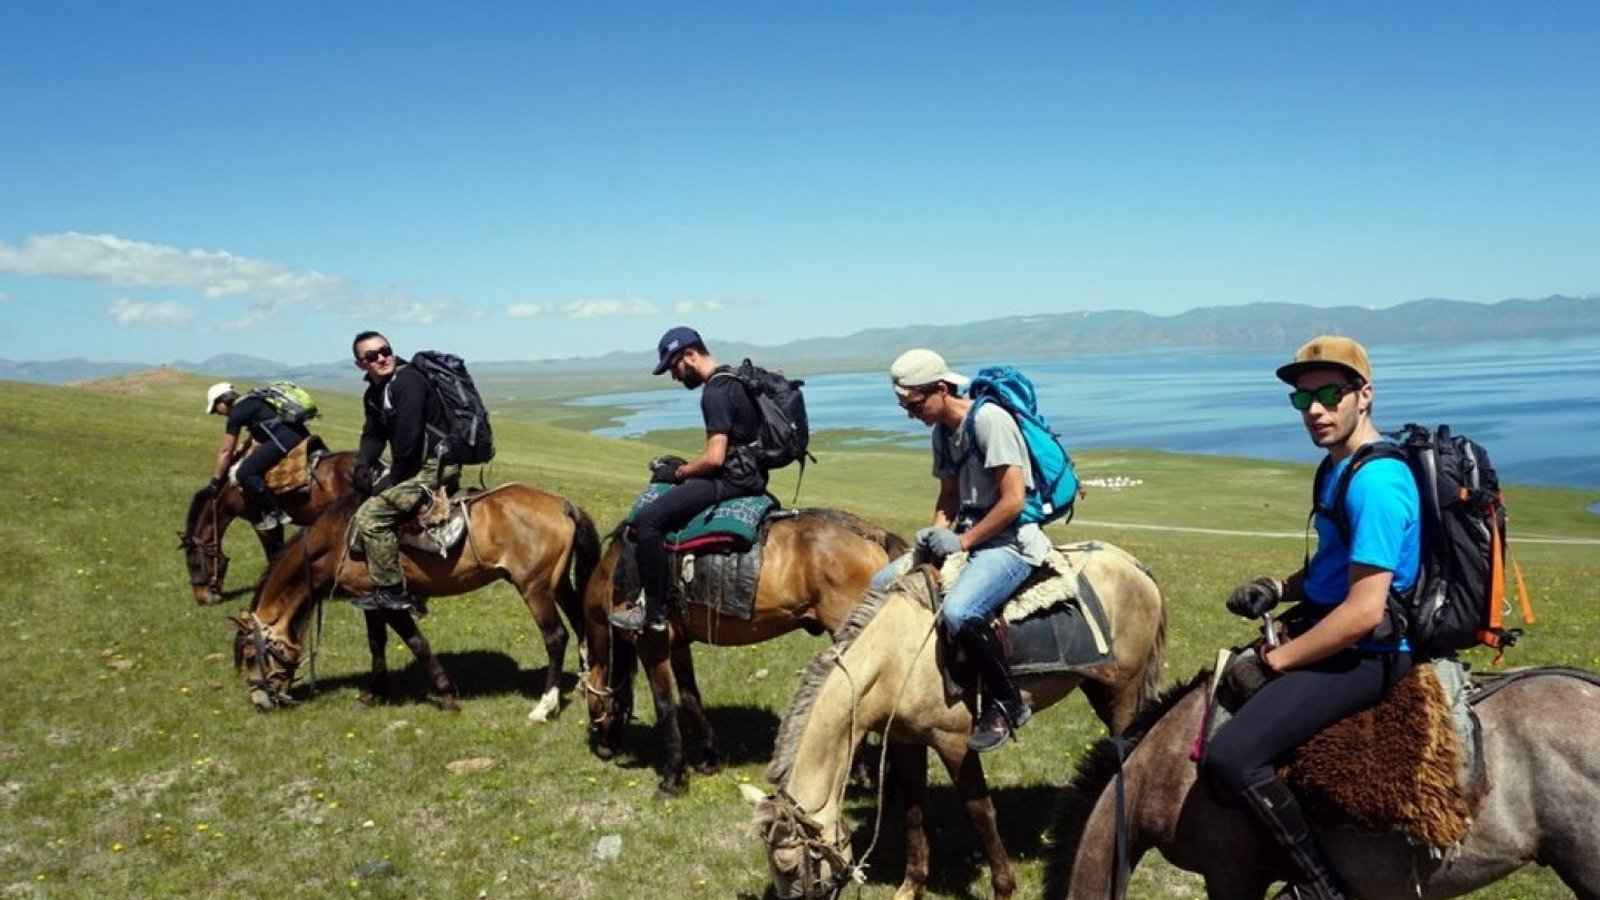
<point>1384,513</point>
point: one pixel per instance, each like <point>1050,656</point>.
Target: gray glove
<point>1247,673</point>
<point>939,542</point>
<point>1255,598</point>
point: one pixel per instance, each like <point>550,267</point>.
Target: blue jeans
<point>992,575</point>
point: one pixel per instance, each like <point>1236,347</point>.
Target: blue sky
<point>536,180</point>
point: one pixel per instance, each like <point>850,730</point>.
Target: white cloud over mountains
<point>162,314</point>
<point>584,309</point>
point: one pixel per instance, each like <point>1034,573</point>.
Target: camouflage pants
<point>381,514</point>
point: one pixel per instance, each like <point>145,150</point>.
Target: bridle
<point>799,831</point>
<point>275,649</point>
<point>213,563</point>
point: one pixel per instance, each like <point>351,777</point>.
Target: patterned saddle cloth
<point>439,527</point>
<point>714,560</point>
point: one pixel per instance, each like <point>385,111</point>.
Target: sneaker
<point>996,725</point>
<point>637,616</point>
<point>386,597</point>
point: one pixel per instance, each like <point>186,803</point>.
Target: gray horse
<point>1539,731</point>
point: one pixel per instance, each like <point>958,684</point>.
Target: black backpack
<point>1459,599</point>
<point>785,433</point>
<point>466,438</point>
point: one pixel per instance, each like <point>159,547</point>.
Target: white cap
<point>217,392</point>
<point>920,368</point>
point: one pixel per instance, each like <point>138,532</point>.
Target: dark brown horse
<point>209,518</point>
<point>1543,789</point>
<point>542,543</point>
<point>815,568</point>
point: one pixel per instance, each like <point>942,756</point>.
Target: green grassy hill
<point>133,764</point>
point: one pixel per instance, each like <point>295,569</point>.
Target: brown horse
<point>815,567</point>
<point>883,676</point>
<point>1543,789</point>
<point>541,543</point>
<point>209,518</point>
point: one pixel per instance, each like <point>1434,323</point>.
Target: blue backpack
<point>1055,483</point>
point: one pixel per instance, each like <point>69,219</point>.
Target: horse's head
<point>201,543</point>
<point>806,862</point>
<point>268,662</point>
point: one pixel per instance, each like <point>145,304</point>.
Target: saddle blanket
<point>1055,622</point>
<point>735,521</point>
<point>438,527</point>
<point>724,581</point>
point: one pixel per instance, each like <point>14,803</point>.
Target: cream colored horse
<point>883,674</point>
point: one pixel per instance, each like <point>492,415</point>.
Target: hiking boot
<point>389,597</point>
<point>996,724</point>
<point>273,518</point>
<point>636,617</point>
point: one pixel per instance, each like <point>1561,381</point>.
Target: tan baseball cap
<point>920,368</point>
<point>1328,351</point>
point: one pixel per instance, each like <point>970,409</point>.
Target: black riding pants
<point>274,440</point>
<point>1290,709</point>
<point>669,512</point>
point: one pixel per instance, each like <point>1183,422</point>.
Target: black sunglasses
<point>1328,395</point>
<point>372,356</point>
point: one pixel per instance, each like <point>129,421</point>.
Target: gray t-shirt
<point>999,443</point>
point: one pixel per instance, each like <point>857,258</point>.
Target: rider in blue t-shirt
<point>1346,649</point>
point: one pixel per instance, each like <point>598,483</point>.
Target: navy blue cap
<point>672,343</point>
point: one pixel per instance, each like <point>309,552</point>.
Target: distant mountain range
<point>1257,326</point>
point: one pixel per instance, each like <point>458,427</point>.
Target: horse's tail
<point>585,557</point>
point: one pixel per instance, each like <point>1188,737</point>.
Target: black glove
<point>1255,598</point>
<point>664,469</point>
<point>213,488</point>
<point>1247,673</point>
<point>361,479</point>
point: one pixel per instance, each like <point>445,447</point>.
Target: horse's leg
<point>406,626</point>
<point>910,762</point>
<point>657,660</point>
<point>542,606</point>
<point>966,770</point>
<point>377,689</point>
<point>706,759</point>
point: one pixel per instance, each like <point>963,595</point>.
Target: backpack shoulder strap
<point>1364,454</point>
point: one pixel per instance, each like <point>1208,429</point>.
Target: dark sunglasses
<point>913,402</point>
<point>1328,395</point>
<point>372,356</point>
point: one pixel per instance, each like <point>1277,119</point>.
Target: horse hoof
<point>547,708</point>
<point>668,790</point>
<point>368,700</point>
<point>262,702</point>
<point>604,754</point>
<point>708,767</point>
<point>449,705</point>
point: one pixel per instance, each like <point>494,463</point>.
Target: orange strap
<point>1522,594</point>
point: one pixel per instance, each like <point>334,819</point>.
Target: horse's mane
<point>892,543</point>
<point>822,665</point>
<point>1089,781</point>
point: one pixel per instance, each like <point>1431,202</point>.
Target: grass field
<point>132,764</point>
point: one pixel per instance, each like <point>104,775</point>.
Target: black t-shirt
<point>728,408</point>
<point>251,412</point>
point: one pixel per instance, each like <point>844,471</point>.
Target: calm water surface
<point>1534,404</point>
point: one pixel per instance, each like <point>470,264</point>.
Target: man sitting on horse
<point>1353,650</point>
<point>725,468</point>
<point>982,491</point>
<point>403,414</point>
<point>273,438</point>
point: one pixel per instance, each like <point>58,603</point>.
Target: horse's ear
<point>752,794</point>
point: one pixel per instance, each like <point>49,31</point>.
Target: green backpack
<point>293,402</point>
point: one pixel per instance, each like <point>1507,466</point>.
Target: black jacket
<point>398,413</point>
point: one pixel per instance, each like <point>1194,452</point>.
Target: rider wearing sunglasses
<point>404,416</point>
<point>1345,649</point>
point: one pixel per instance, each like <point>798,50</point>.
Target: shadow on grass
<point>743,736</point>
<point>957,866</point>
<point>476,673</point>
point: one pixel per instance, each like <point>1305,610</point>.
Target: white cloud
<point>584,309</point>
<point>691,307</point>
<point>529,310</point>
<point>130,313</point>
<point>109,259</point>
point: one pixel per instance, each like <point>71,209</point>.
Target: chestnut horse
<point>540,542</point>
<point>816,565</point>
<point>1539,728</point>
<point>883,675</point>
<point>209,518</point>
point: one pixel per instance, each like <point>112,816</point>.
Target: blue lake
<point>1534,404</point>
